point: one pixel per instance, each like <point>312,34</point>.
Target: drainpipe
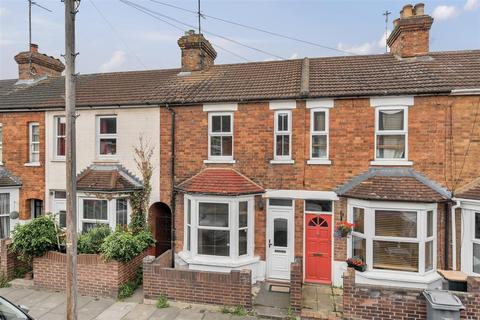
<point>454,236</point>
<point>446,236</point>
<point>172,175</point>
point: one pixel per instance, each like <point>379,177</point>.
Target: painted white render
<point>132,123</point>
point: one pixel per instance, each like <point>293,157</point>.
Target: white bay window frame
<point>421,238</point>
<point>211,134</point>
<point>1,144</point>
<point>468,239</point>
<point>192,255</point>
<point>111,220</point>
<point>277,132</point>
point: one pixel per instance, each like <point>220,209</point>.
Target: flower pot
<point>358,268</point>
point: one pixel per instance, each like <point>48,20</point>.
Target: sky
<point>112,36</point>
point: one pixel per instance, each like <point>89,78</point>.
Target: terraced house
<point>256,163</point>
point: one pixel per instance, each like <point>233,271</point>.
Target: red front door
<point>318,248</point>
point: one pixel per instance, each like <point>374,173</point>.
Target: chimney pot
<point>33,47</point>
<point>406,12</point>
<point>419,9</point>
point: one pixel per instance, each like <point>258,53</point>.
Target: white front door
<point>280,239</point>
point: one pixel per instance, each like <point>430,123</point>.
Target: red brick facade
<point>439,134</point>
<point>15,128</point>
<point>228,289</point>
<point>8,259</point>
<point>296,282</point>
<point>96,277</point>
<point>364,302</point>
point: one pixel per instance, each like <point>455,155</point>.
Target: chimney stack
<point>410,36</point>
<point>197,52</point>
<point>33,65</point>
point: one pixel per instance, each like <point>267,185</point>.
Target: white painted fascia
<point>300,194</point>
<point>394,101</point>
<point>320,103</point>
<point>215,107</point>
<point>282,104</point>
<point>466,92</point>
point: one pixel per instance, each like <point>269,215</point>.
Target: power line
<point>316,44</point>
<point>117,34</point>
<point>180,28</point>
<point>137,6</point>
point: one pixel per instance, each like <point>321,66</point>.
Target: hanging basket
<point>343,229</point>
<point>357,264</point>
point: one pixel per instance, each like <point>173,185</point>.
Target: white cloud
<point>116,61</point>
<point>294,56</point>
<point>3,12</point>
<point>366,47</point>
<point>445,12</point>
<point>471,5</point>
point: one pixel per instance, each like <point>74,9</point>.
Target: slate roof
<point>469,191</point>
<point>220,181</point>
<point>107,178</point>
<point>7,179</point>
<point>393,184</point>
<point>383,74</point>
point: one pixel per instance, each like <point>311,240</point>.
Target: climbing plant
<point>139,200</point>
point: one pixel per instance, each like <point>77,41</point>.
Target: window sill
<point>399,279</point>
<point>58,160</point>
<point>217,261</point>
<point>282,161</point>
<point>106,160</point>
<point>32,164</point>
<point>219,161</point>
<point>319,161</point>
<point>391,163</point>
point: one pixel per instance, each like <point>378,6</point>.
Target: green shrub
<point>35,238</point>
<point>126,290</point>
<point>4,281</point>
<point>162,302</point>
<point>91,241</point>
<point>19,272</point>
<point>122,245</point>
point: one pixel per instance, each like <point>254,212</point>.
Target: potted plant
<point>343,229</point>
<point>357,264</point>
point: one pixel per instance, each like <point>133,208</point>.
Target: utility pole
<point>71,183</point>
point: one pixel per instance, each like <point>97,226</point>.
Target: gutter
<point>465,92</point>
<point>172,175</point>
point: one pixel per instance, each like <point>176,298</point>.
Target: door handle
<point>269,243</point>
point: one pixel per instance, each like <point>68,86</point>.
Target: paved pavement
<point>46,305</point>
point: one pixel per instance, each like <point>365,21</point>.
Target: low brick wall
<point>229,289</point>
<point>296,282</point>
<point>95,276</point>
<point>381,302</point>
<point>8,259</point>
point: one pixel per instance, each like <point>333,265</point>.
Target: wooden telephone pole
<point>71,183</point>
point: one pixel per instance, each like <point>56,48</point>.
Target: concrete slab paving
<point>62,308</point>
<point>209,315</point>
<point>165,314</point>
<point>18,294</point>
<point>54,300</point>
<point>50,316</point>
<point>188,314</point>
<point>116,311</point>
<point>93,308</point>
<point>140,312</point>
<point>33,299</point>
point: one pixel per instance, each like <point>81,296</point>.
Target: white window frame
<point>56,136</point>
<point>219,159</point>
<point>31,143</point>
<point>111,220</point>
<point>106,136</point>
<point>469,208</point>
<point>283,158</point>
<point>326,133</point>
<point>1,144</point>
<point>192,255</point>
<point>404,132</point>
<point>369,232</point>
<point>317,212</point>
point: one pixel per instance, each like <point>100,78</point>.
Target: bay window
<point>391,133</point>
<point>476,244</point>
<point>283,135</point>
<point>94,211</point>
<point>393,236</point>
<point>218,228</point>
<point>4,215</point>
<point>220,136</point>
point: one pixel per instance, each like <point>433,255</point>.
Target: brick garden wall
<point>364,302</point>
<point>296,282</point>
<point>229,289</point>
<point>96,277</point>
<point>8,259</point>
